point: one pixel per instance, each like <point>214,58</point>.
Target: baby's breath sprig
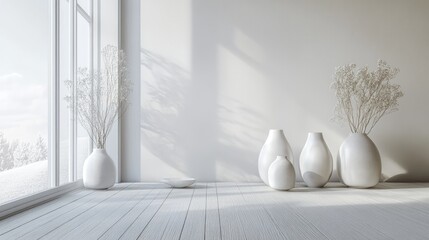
<point>364,96</point>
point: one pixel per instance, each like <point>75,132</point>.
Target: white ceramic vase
<point>275,145</point>
<point>281,174</point>
<point>359,162</point>
<point>99,171</point>
<point>315,161</point>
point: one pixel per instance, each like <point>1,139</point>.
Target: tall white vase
<point>99,171</point>
<point>281,174</point>
<point>275,145</point>
<point>315,161</point>
<point>359,162</point>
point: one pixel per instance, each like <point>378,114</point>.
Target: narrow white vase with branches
<point>363,98</point>
<point>98,99</point>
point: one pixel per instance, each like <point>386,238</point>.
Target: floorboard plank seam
<point>119,219</point>
<point>218,211</point>
<point>154,215</point>
<point>269,215</point>
<point>187,212</point>
<point>136,195</point>
<point>137,216</point>
<point>91,192</point>
<point>84,211</point>
<point>205,215</point>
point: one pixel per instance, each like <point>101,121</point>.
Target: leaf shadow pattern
<point>163,89</point>
<point>177,136</point>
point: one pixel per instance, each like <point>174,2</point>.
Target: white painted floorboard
<point>228,211</point>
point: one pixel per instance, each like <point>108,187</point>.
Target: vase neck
<point>362,134</point>
<point>99,150</point>
<point>276,135</point>
<point>315,136</point>
<point>282,158</point>
<point>275,132</point>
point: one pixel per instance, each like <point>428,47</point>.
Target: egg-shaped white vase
<point>275,145</point>
<point>315,161</point>
<point>359,162</point>
<point>99,171</point>
<point>281,174</point>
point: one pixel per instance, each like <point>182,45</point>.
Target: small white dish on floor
<point>178,182</point>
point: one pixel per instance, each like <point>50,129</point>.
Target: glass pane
<point>109,23</point>
<point>83,61</point>
<point>24,80</point>
<point>65,111</point>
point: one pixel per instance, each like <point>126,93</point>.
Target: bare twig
<point>102,96</point>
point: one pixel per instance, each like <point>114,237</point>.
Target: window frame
<point>75,10</point>
<point>94,20</point>
<point>54,96</point>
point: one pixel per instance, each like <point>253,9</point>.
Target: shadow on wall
<point>249,73</point>
<point>240,140</point>
<point>167,136</point>
<point>163,90</point>
<point>404,161</point>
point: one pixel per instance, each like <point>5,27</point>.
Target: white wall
<point>216,75</point>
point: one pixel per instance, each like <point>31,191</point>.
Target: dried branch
<point>364,97</point>
<point>101,97</point>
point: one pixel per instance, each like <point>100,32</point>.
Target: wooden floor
<point>228,211</point>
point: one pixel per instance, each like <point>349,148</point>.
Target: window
<point>84,59</point>
<point>24,86</point>
<point>43,44</point>
<point>76,39</point>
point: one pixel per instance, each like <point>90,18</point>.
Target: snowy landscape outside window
<point>24,96</point>
<point>41,143</point>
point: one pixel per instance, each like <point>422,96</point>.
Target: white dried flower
<point>363,97</point>
<point>102,96</point>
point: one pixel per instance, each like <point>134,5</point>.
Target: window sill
<point>21,204</point>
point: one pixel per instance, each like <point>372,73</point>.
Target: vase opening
<point>275,132</point>
<point>356,133</point>
<point>315,135</point>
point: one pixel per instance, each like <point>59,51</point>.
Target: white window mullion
<point>91,54</point>
<point>54,157</point>
<point>73,114</point>
<point>75,57</point>
<point>119,87</point>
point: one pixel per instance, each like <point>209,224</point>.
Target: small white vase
<point>315,161</point>
<point>281,174</point>
<point>275,145</point>
<point>99,171</point>
<point>359,162</point>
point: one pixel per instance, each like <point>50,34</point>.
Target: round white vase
<point>281,174</point>
<point>359,162</point>
<point>99,171</point>
<point>315,161</point>
<point>275,145</point>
